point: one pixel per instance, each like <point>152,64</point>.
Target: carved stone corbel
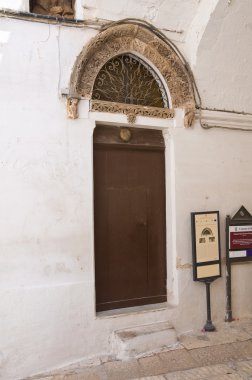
<point>72,108</point>
<point>189,117</point>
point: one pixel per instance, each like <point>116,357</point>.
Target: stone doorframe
<point>143,42</point>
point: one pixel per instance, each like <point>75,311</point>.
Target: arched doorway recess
<point>145,44</point>
<point>128,69</point>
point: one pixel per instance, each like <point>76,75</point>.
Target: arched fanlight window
<point>128,79</point>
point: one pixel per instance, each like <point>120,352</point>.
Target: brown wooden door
<point>129,216</point>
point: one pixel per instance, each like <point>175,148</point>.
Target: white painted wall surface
<point>179,13</point>
<point>224,58</point>
<point>15,5</point>
<point>46,216</point>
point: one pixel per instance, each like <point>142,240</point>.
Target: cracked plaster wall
<point>179,13</point>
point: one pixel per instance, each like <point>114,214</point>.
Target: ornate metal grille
<point>128,79</point>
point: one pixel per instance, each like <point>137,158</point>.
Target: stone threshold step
<point>143,340</point>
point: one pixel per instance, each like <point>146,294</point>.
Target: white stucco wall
<point>47,286</point>
<point>223,55</point>
<point>15,5</point>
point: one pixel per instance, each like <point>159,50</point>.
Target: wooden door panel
<point>129,211</point>
<point>128,242</point>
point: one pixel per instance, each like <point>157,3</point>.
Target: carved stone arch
<point>123,38</point>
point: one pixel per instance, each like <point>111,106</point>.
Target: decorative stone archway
<point>142,41</point>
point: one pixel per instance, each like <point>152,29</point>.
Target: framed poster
<point>240,241</point>
<point>238,248</point>
<point>239,236</point>
<point>206,245</point>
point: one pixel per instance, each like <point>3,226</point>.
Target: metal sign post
<point>206,253</point>
<point>209,325</point>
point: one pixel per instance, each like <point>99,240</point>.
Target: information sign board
<point>205,245</point>
<point>238,247</point>
<point>240,241</point>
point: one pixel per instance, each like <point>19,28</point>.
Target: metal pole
<point>228,317</point>
<point>209,325</point>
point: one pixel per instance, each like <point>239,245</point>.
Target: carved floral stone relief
<point>131,110</point>
<point>130,38</point>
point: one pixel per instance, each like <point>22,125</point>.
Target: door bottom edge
<point>140,309</point>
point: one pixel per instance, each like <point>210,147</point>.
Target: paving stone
<point>244,325</point>
<point>122,369</point>
<point>244,349</point>
<point>226,334</point>
<point>159,377</point>
<point>86,375</point>
<point>201,373</point>
<point>80,374</point>
<point>245,367</point>
<point>177,360</point>
<point>216,354</point>
<point>51,377</point>
<point>151,365</point>
<point>233,376</point>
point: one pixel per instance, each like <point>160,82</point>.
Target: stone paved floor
<point>225,354</point>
